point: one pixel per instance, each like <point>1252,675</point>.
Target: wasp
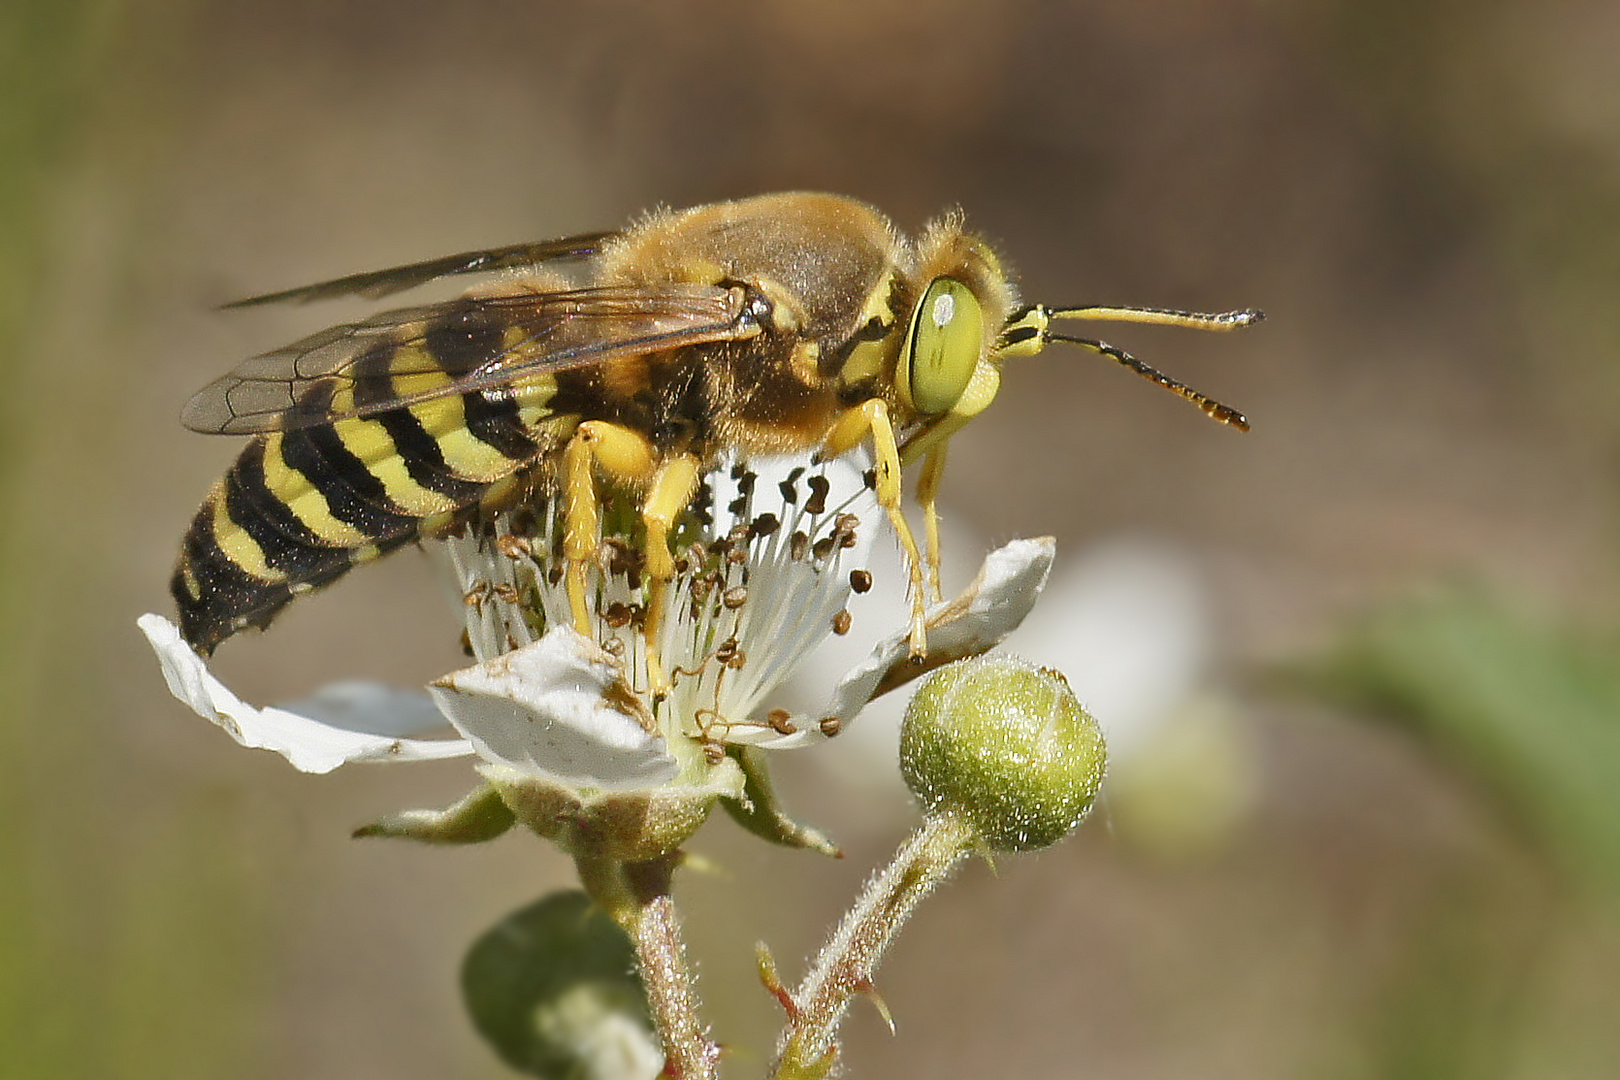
<point>786,323</point>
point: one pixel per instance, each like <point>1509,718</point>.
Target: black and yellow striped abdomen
<point>300,507</point>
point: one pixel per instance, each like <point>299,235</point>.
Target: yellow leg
<point>582,525</point>
<point>927,497</point>
<point>673,484</point>
<point>622,454</point>
<point>872,419</point>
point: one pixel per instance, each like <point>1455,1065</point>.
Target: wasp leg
<point>672,487</point>
<point>582,524</point>
<point>871,419</point>
<point>622,454</point>
<point>933,471</point>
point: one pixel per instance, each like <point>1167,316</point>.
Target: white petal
<point>791,602</point>
<point>372,707</point>
<point>988,610</point>
<point>310,745</point>
<point>557,708</point>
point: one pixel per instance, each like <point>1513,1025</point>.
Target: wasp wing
<point>376,284</point>
<point>402,357</point>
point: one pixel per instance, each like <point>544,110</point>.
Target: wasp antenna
<point>1192,320</point>
<point>1212,408</point>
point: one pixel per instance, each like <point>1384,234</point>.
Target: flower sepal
<point>478,817</point>
<point>627,825</point>
<point>759,810</point>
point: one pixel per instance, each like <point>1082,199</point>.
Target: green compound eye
<point>947,335</point>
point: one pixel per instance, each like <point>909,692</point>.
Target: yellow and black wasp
<point>785,323</point>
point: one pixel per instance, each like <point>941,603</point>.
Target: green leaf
<point>552,987</point>
<point>1528,712</point>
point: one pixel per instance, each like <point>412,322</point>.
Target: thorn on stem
<point>866,989</point>
<point>773,981</point>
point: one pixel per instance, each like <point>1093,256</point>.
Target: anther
<point>513,546</point>
<point>790,487</point>
<point>817,503</point>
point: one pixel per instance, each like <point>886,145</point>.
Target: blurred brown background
<point>1423,197</point>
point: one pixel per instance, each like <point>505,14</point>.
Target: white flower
<point>766,577</point>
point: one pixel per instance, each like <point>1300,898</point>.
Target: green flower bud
<point>1006,747</point>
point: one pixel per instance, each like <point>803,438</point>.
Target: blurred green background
<point>1412,559</point>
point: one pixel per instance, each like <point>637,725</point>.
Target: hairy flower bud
<point>1006,747</point>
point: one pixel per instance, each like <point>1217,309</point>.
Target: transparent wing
<point>379,283</point>
<point>474,343</point>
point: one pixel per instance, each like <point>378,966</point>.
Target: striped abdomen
<point>298,508</point>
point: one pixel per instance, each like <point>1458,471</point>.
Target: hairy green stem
<point>808,1047</point>
<point>637,896</point>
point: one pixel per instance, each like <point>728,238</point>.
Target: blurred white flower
<point>1128,623</point>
